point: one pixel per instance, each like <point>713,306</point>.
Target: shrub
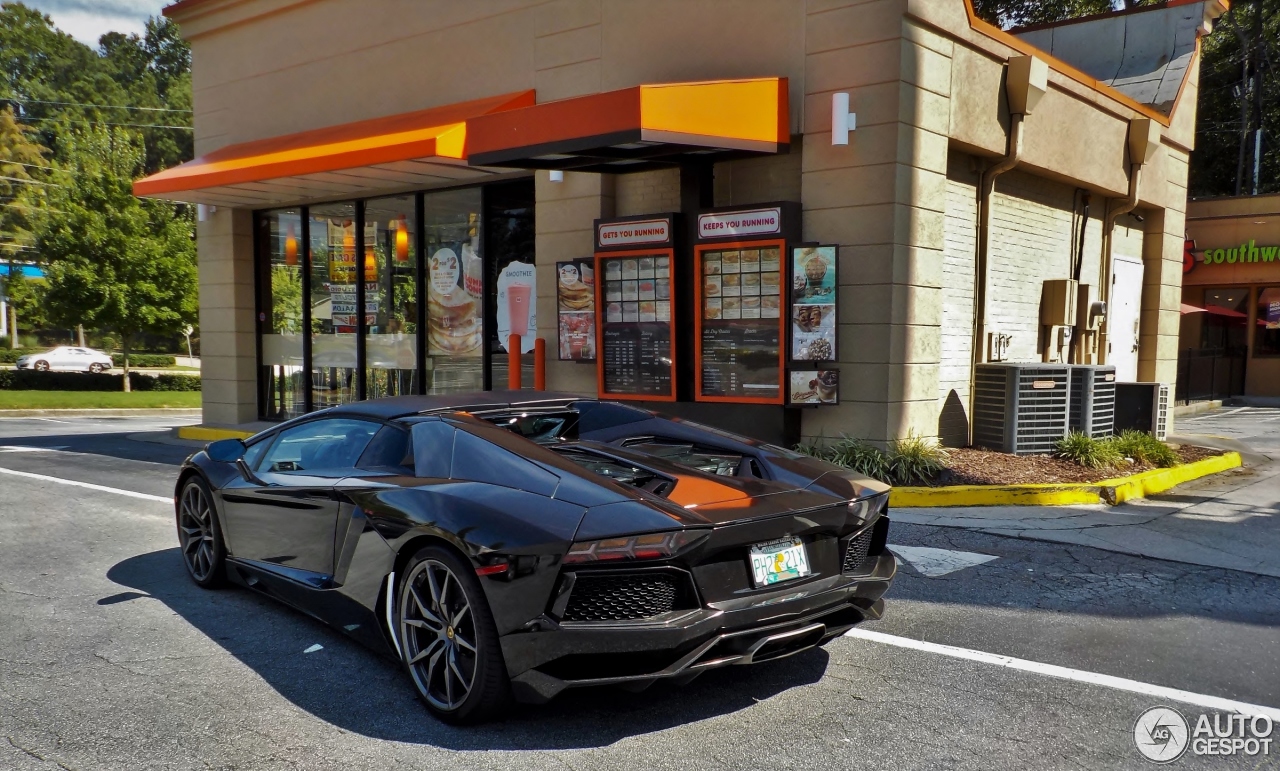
<point>11,355</point>
<point>1087,451</point>
<point>29,380</point>
<point>1144,447</point>
<point>856,455</point>
<point>915,459</point>
<point>144,360</point>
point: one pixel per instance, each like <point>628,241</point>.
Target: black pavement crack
<point>36,755</point>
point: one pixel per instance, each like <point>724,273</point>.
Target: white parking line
<point>1066,673</point>
<point>86,485</point>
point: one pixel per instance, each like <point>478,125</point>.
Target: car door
<point>58,359</point>
<point>283,519</point>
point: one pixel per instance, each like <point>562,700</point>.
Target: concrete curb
<point>210,433</point>
<point>1109,491</point>
<point>168,412</point>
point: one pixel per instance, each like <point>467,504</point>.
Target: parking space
<point>111,658</point>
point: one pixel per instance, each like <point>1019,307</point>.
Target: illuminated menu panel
<point>636,350</point>
<point>740,341</point>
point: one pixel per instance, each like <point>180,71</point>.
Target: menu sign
<point>576,310</point>
<point>813,303</point>
<point>754,222</point>
<point>740,319</point>
<point>814,386</point>
<point>633,233</point>
<point>636,357</point>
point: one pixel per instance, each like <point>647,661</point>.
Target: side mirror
<point>225,450</point>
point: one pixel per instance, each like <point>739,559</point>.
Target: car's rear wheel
<point>448,639</point>
<point>199,535</point>
<point>41,366</point>
<point>95,368</point>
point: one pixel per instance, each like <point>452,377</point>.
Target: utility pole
<point>1259,47</point>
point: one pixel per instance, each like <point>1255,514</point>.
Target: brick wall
<point>648,192</point>
<point>759,180</point>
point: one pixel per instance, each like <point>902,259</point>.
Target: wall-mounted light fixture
<point>842,121</point>
<point>290,247</point>
<point>204,211</point>
<point>557,175</point>
<point>401,226</point>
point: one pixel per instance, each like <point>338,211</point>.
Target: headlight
<point>651,546</point>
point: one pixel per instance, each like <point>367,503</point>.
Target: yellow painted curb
<point>1107,491</point>
<point>208,434</point>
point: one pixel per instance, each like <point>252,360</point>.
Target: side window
<point>254,453</point>
<point>390,450</point>
<point>319,445</point>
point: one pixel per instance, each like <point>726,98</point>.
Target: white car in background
<point>67,358</point>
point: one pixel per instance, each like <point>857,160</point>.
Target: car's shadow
<point>362,692</point>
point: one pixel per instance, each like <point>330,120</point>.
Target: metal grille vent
<point>855,552</point>
<point>1093,399</point>
<point>1160,412</point>
<point>1021,408</point>
<point>621,597</point>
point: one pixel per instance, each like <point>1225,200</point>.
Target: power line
<point>34,166</point>
<point>105,123</point>
<point>87,104</point>
<point>29,181</point>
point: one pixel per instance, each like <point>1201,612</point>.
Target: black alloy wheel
<point>448,639</point>
<point>199,534</point>
<point>41,366</point>
<point>95,368</point>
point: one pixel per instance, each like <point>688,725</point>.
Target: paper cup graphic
<point>518,308</point>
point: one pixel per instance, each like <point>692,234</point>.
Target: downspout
<point>986,188</point>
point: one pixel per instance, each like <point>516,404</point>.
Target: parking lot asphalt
<point>110,658</point>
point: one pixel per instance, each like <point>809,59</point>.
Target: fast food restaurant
<point>796,220</point>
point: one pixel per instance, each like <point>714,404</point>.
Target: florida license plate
<point>779,561</point>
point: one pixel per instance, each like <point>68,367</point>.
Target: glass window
<point>283,381</point>
<point>1226,318</point>
<point>509,228</point>
<point>391,348</point>
<point>390,450</point>
<point>455,290</point>
<point>1266,336</point>
<point>333,304</point>
<point>320,445</point>
<point>254,453</point>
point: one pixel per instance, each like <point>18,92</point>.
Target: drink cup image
<point>518,308</point>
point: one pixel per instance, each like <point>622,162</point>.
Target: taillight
<point>651,546</point>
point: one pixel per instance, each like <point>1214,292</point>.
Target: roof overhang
<point>426,148</point>
<point>638,128</point>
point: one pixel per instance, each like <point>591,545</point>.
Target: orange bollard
<point>539,364</point>
<point>513,363</point>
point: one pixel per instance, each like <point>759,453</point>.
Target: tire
<point>41,366</point>
<point>434,642</point>
<point>95,368</point>
<point>199,535</point>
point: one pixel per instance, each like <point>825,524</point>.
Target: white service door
<point>1125,310</point>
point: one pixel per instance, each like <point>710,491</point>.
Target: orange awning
<point>426,148</point>
<point>637,128</point>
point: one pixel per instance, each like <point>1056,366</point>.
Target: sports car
<point>508,545</point>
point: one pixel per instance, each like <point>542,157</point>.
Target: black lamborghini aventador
<point>520,543</point>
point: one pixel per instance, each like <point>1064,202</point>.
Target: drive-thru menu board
<point>740,341</point>
<point>636,354</point>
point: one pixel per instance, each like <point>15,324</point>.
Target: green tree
<point>20,156</point>
<point>116,262</point>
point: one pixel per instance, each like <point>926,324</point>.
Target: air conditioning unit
<point>1093,399</point>
<point>1144,407</point>
<point>1021,408</point>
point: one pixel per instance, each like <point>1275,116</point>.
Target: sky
<point>87,20</point>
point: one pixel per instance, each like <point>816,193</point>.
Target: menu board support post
<point>539,364</point>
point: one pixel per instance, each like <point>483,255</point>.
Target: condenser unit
<point>1021,408</point>
<point>1144,407</point>
<point>1093,399</point>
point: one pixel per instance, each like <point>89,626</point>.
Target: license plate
<point>779,561</point>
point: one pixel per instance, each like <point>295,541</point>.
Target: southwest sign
<point>1247,252</point>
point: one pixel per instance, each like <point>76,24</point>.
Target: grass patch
<point>93,400</point>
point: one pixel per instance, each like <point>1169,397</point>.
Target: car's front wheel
<point>95,368</point>
<point>448,639</point>
<point>199,535</point>
<point>41,366</point>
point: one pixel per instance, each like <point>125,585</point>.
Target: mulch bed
<point>978,466</point>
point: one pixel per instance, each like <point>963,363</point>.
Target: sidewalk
<point>1230,520</point>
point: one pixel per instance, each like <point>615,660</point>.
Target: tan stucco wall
<point>228,348</point>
